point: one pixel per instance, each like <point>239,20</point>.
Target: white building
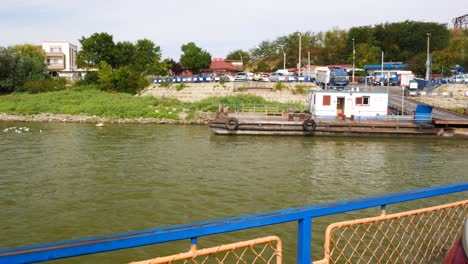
<point>361,105</point>
<point>61,59</point>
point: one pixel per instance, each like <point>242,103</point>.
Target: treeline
<point>125,66</point>
<point>401,42</point>
<point>120,67</point>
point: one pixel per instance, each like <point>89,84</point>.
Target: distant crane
<point>461,22</point>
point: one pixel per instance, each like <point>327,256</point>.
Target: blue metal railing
<point>303,215</point>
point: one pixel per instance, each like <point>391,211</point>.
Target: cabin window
<point>365,100</point>
<point>326,99</point>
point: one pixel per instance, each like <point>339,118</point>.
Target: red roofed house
<point>220,67</point>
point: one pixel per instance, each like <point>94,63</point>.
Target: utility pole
<point>299,63</point>
<point>241,60</point>
<point>428,61</point>
<point>354,58</point>
<point>382,75</point>
<point>308,65</point>
<point>284,58</point>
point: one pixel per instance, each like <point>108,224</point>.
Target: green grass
<point>87,100</point>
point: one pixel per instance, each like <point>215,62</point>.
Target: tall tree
<point>239,55</point>
<point>9,61</point>
<point>194,57</point>
<point>145,57</point>
<point>96,48</point>
<point>123,53</point>
<point>334,46</point>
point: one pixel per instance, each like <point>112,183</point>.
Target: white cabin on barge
<point>348,103</point>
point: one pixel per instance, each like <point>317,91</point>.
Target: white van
<point>243,76</point>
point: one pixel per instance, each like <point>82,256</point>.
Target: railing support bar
<point>304,238</point>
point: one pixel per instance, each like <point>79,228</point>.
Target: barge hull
<point>339,128</point>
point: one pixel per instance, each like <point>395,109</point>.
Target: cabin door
<point>340,106</point>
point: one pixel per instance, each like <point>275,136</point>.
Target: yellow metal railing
<point>255,251</point>
<point>417,236</point>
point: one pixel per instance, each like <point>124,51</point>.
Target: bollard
<point>301,116</point>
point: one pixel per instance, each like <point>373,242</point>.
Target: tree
<point>194,57</point>
<point>8,65</point>
<point>128,81</point>
<point>145,57</point>
<point>21,64</point>
<point>98,47</point>
<point>174,67</point>
<point>105,75</point>
<point>334,46</point>
<point>366,54</point>
<point>123,53</point>
<point>265,49</point>
<point>239,55</point>
<point>31,51</point>
<point>262,67</point>
<point>160,68</point>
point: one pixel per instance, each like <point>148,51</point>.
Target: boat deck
<point>303,124</point>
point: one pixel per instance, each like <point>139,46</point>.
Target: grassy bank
<point>87,100</point>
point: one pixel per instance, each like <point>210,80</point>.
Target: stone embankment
<point>447,96</point>
<point>193,92</point>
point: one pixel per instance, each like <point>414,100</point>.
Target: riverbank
<point>196,104</point>
<point>202,118</point>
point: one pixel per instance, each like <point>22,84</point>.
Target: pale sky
<point>217,26</point>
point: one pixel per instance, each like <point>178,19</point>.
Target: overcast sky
<point>218,26</point>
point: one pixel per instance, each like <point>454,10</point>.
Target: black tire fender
<point>232,123</point>
<point>309,125</point>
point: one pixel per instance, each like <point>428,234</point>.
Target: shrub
<point>166,84</point>
<point>127,80</point>
<point>279,86</point>
<point>300,89</point>
<point>90,78</point>
<point>181,86</point>
<point>47,85</point>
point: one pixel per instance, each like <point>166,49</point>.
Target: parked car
<point>277,77</point>
<point>264,78</point>
<point>243,76</point>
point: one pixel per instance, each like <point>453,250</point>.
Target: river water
<point>63,181</point>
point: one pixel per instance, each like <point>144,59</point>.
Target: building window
<point>55,49</point>
<point>365,100</point>
<point>326,99</point>
<point>55,61</point>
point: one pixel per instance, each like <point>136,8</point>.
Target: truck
<point>385,77</point>
<point>412,90</point>
<point>335,78</point>
<point>405,78</point>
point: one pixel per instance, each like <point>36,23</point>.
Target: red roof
<point>220,64</point>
